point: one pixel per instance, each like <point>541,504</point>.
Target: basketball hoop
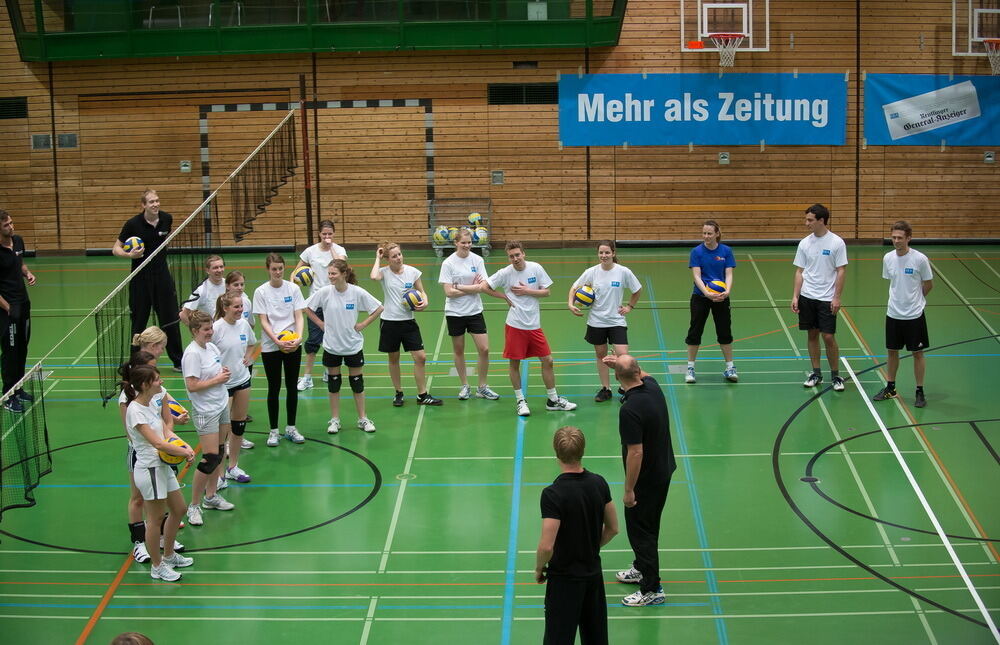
<point>728,44</point>
<point>993,52</point>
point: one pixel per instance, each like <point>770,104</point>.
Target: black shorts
<point>315,338</point>
<point>394,332</point>
<point>909,333</point>
<point>605,335</point>
<point>816,314</point>
<point>458,325</point>
<point>243,386</point>
<point>334,360</point>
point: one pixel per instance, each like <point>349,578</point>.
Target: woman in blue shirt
<point>711,262</point>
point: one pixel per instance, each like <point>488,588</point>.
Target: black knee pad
<point>239,427</point>
<point>333,382</point>
<point>209,462</point>
<point>357,383</point>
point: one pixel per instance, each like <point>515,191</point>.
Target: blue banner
<point>926,109</point>
<point>677,109</point>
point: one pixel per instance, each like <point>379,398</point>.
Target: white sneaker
<point>484,392</point>
<point>293,435</point>
<point>273,438</point>
<point>640,599</point>
<point>223,484</point>
<point>218,503</point>
<point>164,572</point>
<point>560,404</point>
<point>305,382</point>
<point>238,475</point>
<point>326,376</point>
<point>522,409</point>
<point>689,376</point>
<point>139,552</point>
<point>465,393</point>
<point>194,515</point>
<point>630,576</point>
<point>366,424</point>
<point>334,426</point>
<point>246,444</point>
<point>178,547</point>
<point>176,561</point>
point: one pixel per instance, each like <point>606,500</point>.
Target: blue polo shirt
<point>713,263</point>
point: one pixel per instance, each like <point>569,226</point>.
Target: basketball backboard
<point>701,18</point>
<point>972,22</point>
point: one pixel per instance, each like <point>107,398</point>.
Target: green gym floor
<point>425,531</point>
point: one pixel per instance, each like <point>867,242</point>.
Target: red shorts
<point>524,343</point>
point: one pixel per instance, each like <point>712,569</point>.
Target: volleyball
<point>475,219</point>
<point>303,276</point>
<point>412,299</point>
<point>584,296</point>
<point>173,460</point>
<point>452,232</point>
<point>133,243</point>
<point>287,334</point>
<point>480,236</point>
<point>176,409</point>
<point>716,286</point>
<point>441,235</point>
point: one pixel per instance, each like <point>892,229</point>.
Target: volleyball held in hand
<point>584,296</point>
<point>133,243</point>
<point>168,458</point>
<point>412,299</point>
<point>480,235</point>
<point>303,276</point>
<point>288,334</point>
<point>716,286</point>
<point>441,235</point>
<point>176,409</point>
<point>475,219</point>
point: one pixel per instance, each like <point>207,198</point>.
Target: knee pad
<point>333,382</point>
<point>357,383</point>
<point>239,427</point>
<point>209,462</point>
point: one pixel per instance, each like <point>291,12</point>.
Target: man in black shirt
<point>578,518</point>
<point>644,427</point>
<point>15,312</point>
<point>153,289</point>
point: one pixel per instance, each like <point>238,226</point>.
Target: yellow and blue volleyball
<point>176,409</point>
<point>168,458</point>
<point>716,286</point>
<point>480,235</point>
<point>412,299</point>
<point>132,243</point>
<point>303,276</point>
<point>287,334</point>
<point>584,296</point>
<point>452,232</point>
<point>441,235</point>
<point>475,219</point>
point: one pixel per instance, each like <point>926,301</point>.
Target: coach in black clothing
<point>644,427</point>
<point>578,518</point>
<point>153,289</point>
<point>15,311</point>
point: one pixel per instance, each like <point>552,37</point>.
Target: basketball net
<point>727,45</point>
<point>993,52</point>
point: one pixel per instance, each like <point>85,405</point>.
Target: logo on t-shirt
<point>615,283</point>
<point>243,337</point>
<point>719,258</point>
<point>532,280</point>
<point>908,270</point>
<point>473,269</point>
<point>826,251</point>
<point>218,359</point>
<point>288,298</point>
<point>349,306</point>
<point>407,285</point>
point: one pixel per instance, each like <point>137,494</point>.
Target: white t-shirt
<point>156,403</point>
<point>205,295</point>
<point>146,455</point>
<point>819,258</point>
<point>279,305</point>
<point>232,341</point>
<point>393,286</point>
<point>204,363</point>
<point>340,314</point>
<point>319,260</point>
<point>248,310</point>
<point>609,289</point>
<point>906,275</point>
<point>463,271</point>
<point>526,312</point>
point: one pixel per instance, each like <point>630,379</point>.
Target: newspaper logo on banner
<point>932,110</point>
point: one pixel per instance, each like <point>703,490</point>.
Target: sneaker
<point>176,561</point>
<point>465,393</point>
<point>273,438</point>
<point>689,375</point>
<point>139,552</point>
<point>484,392</point>
<point>919,401</point>
<point>24,396</point>
<point>397,401</point>
<point>194,515</point>
<point>838,384</point>
<point>885,393</point>
<point>642,599</point>
<point>813,380</point>
<point>603,394</point>
<point>178,547</point>
<point>305,383</point>
<point>217,502</point>
<point>364,423</point>
<point>223,483</point>
<point>326,376</point>
<point>428,399</point>
<point>246,444</point>
<point>13,404</point>
<point>334,426</point>
<point>237,474</point>
<point>630,576</point>
<point>560,405</point>
<point>292,434</point>
<point>164,572</point>
<point>522,409</point>
<point>731,375</point>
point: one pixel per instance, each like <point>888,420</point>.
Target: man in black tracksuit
<point>15,312</point>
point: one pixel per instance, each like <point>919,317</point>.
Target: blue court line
<point>387,485</point>
<point>46,605</point>
<point>713,587</point>
<point>515,514</point>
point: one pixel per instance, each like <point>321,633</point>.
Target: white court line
<point>369,617</point>
<point>679,456</point>
<point>988,265</point>
<point>965,301</point>
<point>927,508</point>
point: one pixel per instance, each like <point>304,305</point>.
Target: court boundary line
<point>510,572</point>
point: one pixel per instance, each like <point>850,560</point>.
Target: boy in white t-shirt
<point>524,283</point>
<point>910,280</point>
<point>205,295</point>
<point>821,265</point>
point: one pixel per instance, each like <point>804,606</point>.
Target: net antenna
<point>992,46</point>
<point>727,45</point>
